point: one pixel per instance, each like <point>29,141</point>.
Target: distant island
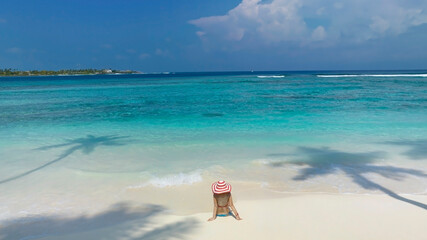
<point>12,72</point>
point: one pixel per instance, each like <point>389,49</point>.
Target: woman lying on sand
<point>223,201</point>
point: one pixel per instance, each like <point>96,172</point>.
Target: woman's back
<point>222,200</point>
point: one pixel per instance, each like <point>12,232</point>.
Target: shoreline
<point>90,192</point>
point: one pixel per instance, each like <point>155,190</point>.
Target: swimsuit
<point>224,215</point>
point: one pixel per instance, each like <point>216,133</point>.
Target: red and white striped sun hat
<point>221,187</point>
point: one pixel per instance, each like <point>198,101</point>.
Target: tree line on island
<point>89,71</point>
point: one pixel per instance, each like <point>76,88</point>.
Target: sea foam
<point>172,180</point>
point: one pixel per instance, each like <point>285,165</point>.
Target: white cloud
<point>305,21</point>
<point>274,21</point>
<point>379,25</point>
<point>200,33</point>
<point>318,34</point>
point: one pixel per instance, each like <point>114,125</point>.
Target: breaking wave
<point>172,180</point>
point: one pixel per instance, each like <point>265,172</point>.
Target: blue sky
<point>220,35</point>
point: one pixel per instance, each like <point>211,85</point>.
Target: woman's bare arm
<point>214,210</point>
<point>231,204</point>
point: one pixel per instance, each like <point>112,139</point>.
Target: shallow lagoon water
<point>296,132</point>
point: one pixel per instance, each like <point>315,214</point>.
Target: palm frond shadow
<point>325,161</point>
<point>86,145</point>
<point>120,221</point>
<point>417,148</point>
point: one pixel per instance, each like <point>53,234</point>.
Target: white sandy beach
<point>266,215</point>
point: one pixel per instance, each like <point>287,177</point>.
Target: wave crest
<point>271,76</point>
<point>373,75</point>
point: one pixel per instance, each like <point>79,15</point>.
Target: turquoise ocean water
<point>170,129</point>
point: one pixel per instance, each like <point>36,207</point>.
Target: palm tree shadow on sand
<point>324,161</point>
<point>86,145</point>
<point>121,221</point>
